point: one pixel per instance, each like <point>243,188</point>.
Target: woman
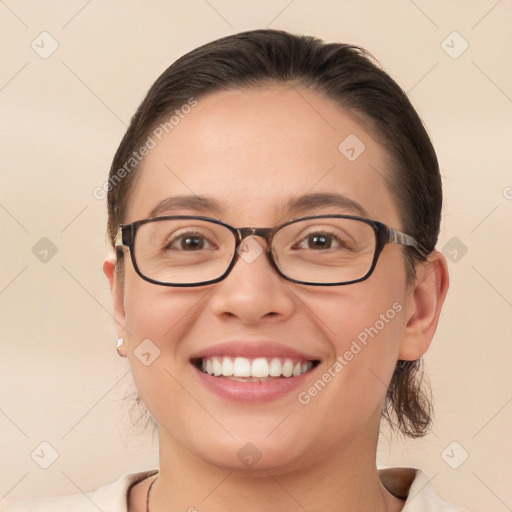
<point>274,208</point>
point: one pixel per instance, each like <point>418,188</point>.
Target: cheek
<point>157,312</point>
<point>363,326</point>
<point>364,330</point>
<point>157,320</point>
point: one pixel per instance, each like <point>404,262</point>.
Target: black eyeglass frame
<point>126,233</point>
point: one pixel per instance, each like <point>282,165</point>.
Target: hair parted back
<point>350,77</point>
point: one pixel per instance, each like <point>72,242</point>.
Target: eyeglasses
<point>322,250</point>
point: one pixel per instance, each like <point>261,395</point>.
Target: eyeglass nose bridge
<point>265,233</point>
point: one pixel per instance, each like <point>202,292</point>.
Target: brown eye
<point>319,241</point>
<point>189,242</point>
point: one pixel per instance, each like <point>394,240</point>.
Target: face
<point>253,154</point>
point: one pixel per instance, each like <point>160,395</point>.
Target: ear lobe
<point>116,289</point>
<point>424,307</point>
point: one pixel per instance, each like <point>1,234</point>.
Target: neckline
<point>150,488</point>
<point>397,481</point>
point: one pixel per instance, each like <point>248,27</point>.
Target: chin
<point>255,455</point>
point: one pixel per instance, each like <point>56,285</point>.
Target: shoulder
<point>414,486</point>
<point>111,497</point>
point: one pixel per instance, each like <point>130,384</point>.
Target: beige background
<point>62,118</point>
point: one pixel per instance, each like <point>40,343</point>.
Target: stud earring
<point>119,346</point>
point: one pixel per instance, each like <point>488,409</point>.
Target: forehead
<point>253,151</point>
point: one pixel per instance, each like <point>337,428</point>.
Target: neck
<point>344,480</point>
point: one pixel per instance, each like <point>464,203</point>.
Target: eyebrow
<point>187,202</point>
<point>322,200</point>
<point>294,206</point>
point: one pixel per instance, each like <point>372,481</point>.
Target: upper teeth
<point>259,367</point>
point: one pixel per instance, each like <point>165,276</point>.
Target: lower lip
<point>251,392</point>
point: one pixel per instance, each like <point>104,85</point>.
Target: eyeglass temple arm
<point>397,237</point>
<point>118,239</point>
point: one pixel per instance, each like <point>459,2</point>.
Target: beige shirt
<point>409,484</point>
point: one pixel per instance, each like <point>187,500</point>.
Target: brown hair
<point>350,77</point>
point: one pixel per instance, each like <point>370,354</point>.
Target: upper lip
<point>252,350</point>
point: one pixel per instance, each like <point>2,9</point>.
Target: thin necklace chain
<point>149,493</point>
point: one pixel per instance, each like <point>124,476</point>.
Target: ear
<point>116,289</point>
<point>424,305</point>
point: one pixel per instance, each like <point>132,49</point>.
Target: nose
<point>253,291</point>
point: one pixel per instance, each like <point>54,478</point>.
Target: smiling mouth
<point>257,369</point>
